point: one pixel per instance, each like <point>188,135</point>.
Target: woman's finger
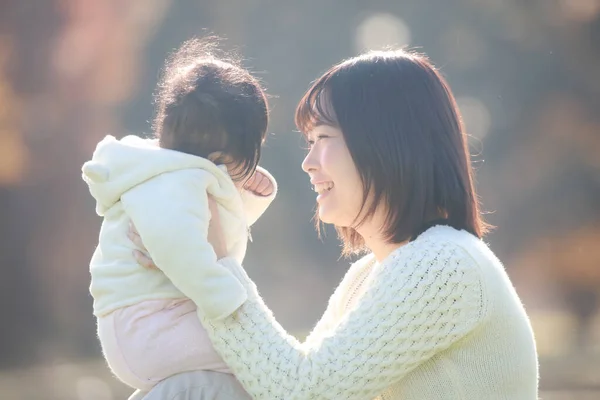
<point>135,237</point>
<point>259,184</point>
<point>265,186</point>
<point>215,230</point>
<point>140,256</point>
<point>144,260</point>
<point>250,183</point>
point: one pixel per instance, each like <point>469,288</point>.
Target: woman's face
<point>334,176</point>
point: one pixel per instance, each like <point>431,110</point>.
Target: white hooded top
<point>165,194</point>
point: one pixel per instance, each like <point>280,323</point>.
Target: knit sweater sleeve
<point>423,298</point>
<point>326,323</point>
<point>330,317</point>
<point>171,214</point>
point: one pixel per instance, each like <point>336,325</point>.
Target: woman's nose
<point>310,162</point>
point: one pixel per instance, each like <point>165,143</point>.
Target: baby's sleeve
<point>171,214</point>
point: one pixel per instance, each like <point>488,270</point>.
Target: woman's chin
<point>332,219</point>
<point>325,217</point>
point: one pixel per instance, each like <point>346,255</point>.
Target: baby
<point>211,122</point>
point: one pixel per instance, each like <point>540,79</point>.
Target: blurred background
<point>527,77</point>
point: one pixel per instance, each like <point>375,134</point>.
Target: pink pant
<point>150,341</point>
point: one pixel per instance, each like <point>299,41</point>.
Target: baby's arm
<point>255,204</point>
<point>171,215</point>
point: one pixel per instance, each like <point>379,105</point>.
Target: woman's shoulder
<point>454,250</point>
<point>439,266</point>
<point>458,242</point>
<point>443,253</point>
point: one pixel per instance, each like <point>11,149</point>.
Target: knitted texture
<point>418,331</point>
<point>418,305</point>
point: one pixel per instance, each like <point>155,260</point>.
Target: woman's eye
<point>312,142</point>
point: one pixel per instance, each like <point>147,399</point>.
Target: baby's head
<point>212,108</point>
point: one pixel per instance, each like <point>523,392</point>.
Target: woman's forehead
<point>315,109</point>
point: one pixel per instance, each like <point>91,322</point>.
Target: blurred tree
<point>60,87</point>
<point>72,71</point>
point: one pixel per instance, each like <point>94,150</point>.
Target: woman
<point>430,312</point>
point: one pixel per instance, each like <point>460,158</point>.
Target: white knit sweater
<point>438,319</point>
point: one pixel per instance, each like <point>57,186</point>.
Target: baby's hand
<point>259,184</point>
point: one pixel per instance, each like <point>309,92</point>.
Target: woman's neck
<point>375,240</point>
<point>382,251</point>
<point>379,246</point>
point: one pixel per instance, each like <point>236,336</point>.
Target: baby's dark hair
<point>208,103</point>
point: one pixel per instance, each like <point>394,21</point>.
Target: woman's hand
<point>216,237</point>
<point>141,256</point>
<point>259,184</point>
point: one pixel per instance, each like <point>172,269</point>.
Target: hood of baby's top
<point>119,165</point>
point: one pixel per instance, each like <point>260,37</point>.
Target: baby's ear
<point>94,172</point>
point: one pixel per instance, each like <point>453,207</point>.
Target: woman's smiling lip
<point>324,186</point>
<point>314,181</point>
<point>323,190</point>
<point>322,195</point>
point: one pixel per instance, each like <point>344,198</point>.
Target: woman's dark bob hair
<point>402,127</point>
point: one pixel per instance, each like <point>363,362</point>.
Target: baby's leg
<point>196,385</point>
<point>153,340</point>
